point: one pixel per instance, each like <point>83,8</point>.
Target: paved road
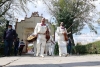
<point>70,61</point>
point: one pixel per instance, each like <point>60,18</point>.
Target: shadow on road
<point>78,64</point>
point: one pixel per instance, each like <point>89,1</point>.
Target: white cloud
<point>39,7</point>
<point>86,38</point>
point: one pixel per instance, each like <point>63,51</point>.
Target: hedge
<point>91,48</point>
<point>56,50</point>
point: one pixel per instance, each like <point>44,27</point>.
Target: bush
<point>79,49</point>
<point>91,48</point>
<point>2,49</point>
<point>56,50</point>
<point>73,50</point>
<point>94,48</point>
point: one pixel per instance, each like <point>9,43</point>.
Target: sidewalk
<point>48,61</point>
<point>7,60</point>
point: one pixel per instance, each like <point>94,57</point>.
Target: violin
<point>65,36</point>
<point>47,34</point>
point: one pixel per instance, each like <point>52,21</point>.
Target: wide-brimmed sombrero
<point>31,38</point>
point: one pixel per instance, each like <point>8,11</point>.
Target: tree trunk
<point>71,36</point>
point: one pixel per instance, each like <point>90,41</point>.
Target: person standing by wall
<point>16,44</point>
<point>21,46</point>
<point>9,37</point>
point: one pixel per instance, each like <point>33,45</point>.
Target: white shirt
<point>59,33</point>
<point>40,29</point>
<point>21,43</point>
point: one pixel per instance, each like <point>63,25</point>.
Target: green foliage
<point>91,48</point>
<point>2,49</point>
<point>81,49</point>
<point>2,28</point>
<point>1,32</point>
<point>56,50</point>
<point>76,12</point>
<point>7,7</point>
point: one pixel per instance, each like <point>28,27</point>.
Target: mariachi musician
<point>62,39</point>
<point>42,32</point>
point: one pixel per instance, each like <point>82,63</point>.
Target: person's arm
<point>52,40</point>
<point>67,32</point>
<point>14,34</point>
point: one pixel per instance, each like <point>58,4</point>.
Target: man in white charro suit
<point>61,40</point>
<point>40,31</point>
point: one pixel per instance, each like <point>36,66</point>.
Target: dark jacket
<point>69,43</point>
<point>16,43</point>
<point>9,34</point>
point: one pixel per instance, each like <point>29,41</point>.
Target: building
<point>26,27</point>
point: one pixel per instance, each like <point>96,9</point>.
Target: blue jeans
<point>16,50</point>
<point>8,47</point>
<point>69,49</point>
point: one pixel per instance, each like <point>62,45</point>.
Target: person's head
<point>43,20</point>
<point>61,24</point>
<point>9,27</point>
<point>22,40</point>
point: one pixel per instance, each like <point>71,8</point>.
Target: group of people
<point>42,42</point>
<point>10,38</point>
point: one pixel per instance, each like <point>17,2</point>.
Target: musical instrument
<point>65,36</point>
<point>32,38</point>
<point>47,34</point>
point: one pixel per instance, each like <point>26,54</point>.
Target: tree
<point>7,6</point>
<point>2,27</point>
<point>74,13</point>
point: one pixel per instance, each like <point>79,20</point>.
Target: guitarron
<point>65,36</point>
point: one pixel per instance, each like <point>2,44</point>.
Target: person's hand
<point>38,33</point>
<point>69,32</point>
<point>44,34</point>
<point>64,32</point>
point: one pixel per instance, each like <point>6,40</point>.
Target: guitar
<point>65,36</point>
<point>47,34</point>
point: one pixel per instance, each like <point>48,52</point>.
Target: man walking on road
<point>40,31</point>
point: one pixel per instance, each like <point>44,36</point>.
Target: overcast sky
<point>42,9</point>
